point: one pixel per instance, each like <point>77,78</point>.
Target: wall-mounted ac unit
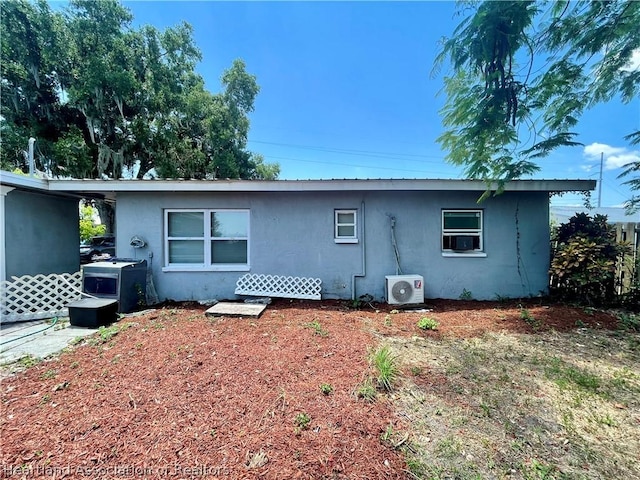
<point>404,289</point>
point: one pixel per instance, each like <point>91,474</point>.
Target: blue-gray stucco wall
<point>41,234</point>
<point>292,234</point>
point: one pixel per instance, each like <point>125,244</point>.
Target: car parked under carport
<point>103,246</point>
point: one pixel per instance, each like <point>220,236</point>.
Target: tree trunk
<point>107,212</point>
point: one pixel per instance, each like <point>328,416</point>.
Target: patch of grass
<point>302,421</point>
<point>537,470</point>
<point>526,315</point>
<point>546,406</point>
<point>28,361</point>
<point>427,323</point>
<point>106,334</point>
<point>393,438</point>
<point>629,321</point>
<point>76,341</point>
<point>386,365</point>
<point>566,375</point>
<point>607,420</point>
<point>367,391</point>
<point>326,388</point>
<point>448,447</point>
<point>49,374</point>
<point>317,328</point>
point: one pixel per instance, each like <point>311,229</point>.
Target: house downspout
<point>363,250</point>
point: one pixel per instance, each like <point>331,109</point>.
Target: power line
<point>347,151</point>
<point>395,169</point>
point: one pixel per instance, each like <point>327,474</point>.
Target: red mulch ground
<point>181,395</point>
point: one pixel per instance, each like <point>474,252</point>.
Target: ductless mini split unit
<point>404,289</point>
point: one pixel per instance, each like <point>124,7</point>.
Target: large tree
<point>523,72</point>
<point>100,96</point>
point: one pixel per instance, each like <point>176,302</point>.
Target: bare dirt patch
<point>176,394</point>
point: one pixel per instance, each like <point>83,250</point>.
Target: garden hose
<point>55,320</point>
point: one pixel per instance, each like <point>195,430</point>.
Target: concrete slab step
<point>230,309</point>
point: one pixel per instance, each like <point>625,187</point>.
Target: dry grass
<point>545,406</point>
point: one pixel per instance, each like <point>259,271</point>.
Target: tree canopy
<point>100,97</point>
<point>523,73</point>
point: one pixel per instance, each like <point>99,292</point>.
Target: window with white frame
<point>346,226</point>
<point>208,239</point>
<point>462,231</point>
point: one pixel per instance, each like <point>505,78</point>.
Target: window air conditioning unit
<point>462,242</point>
<point>404,289</point>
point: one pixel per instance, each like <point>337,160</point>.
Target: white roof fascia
<point>23,181</point>
<point>104,186</point>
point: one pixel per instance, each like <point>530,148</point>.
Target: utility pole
<point>600,181</point>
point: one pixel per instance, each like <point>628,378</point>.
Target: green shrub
<point>466,295</point>
<point>584,260</point>
<point>302,421</point>
<point>427,323</point>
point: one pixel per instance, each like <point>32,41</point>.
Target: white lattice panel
<point>38,296</point>
<point>279,286</point>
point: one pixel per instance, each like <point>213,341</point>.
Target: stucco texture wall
<point>292,233</point>
<point>41,234</point>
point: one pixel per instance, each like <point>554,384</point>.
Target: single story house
<point>39,229</point>
<point>200,237</point>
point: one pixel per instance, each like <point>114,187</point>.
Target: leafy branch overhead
<point>524,72</point>
<point>100,96</point>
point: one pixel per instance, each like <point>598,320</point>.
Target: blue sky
<point>347,89</point>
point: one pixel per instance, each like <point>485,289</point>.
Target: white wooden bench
<point>279,286</point>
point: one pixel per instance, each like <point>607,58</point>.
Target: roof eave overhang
<point>23,181</point>
<point>114,186</point>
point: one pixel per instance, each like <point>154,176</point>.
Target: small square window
<point>346,226</point>
<point>462,231</point>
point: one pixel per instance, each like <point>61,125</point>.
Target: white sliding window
<point>207,239</point>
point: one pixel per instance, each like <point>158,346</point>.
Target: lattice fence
<point>279,286</point>
<point>38,296</point>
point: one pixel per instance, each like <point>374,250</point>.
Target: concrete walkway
<point>37,338</point>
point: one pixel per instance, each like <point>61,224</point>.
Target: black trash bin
<point>93,312</point>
